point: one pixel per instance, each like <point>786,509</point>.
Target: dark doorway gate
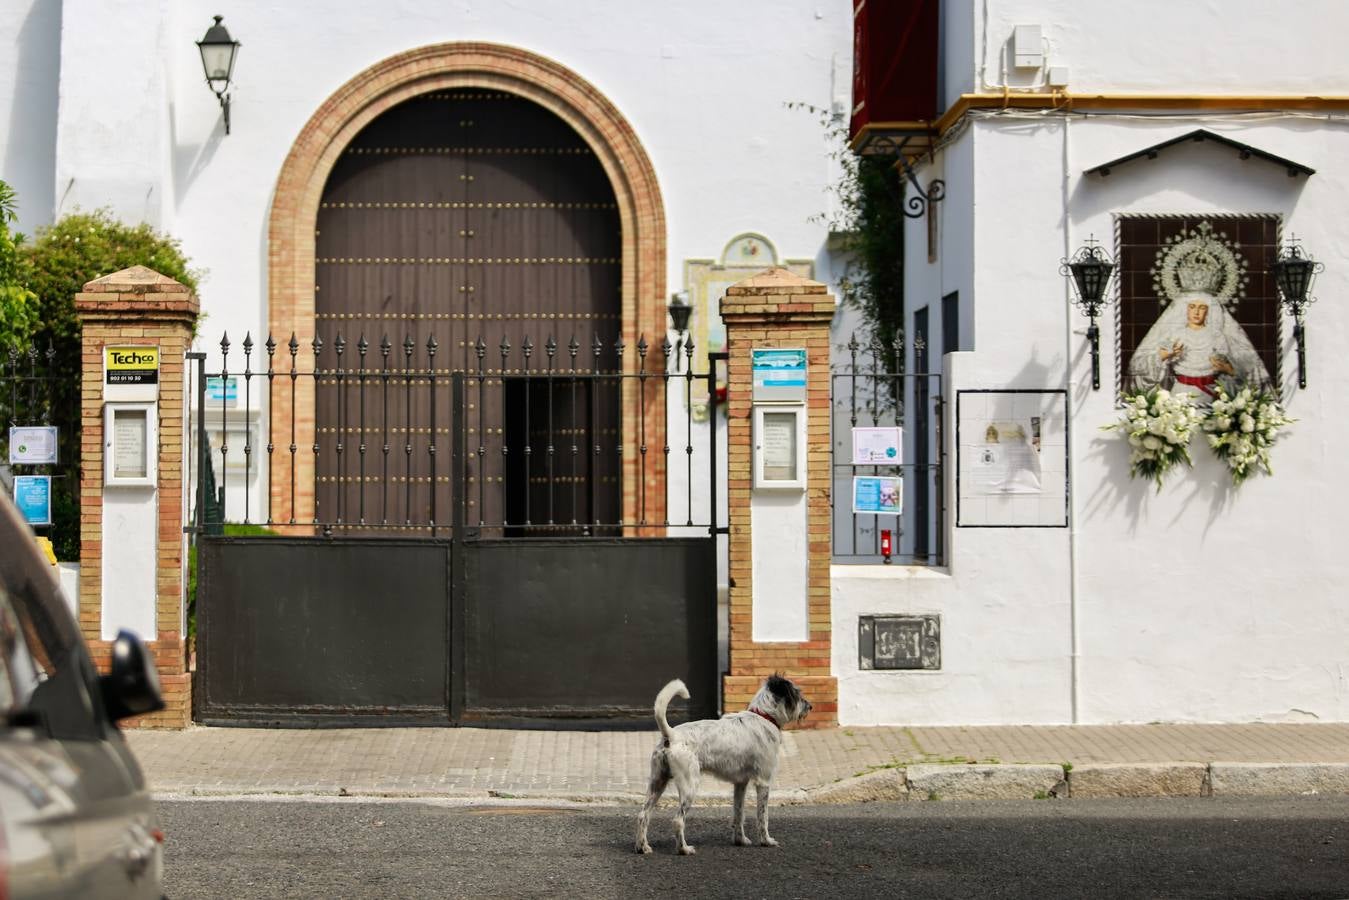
<point>439,594</point>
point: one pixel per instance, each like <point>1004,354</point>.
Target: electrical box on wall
<point>130,444</point>
<point>1027,47</point>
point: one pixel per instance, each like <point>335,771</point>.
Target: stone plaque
<point>899,642</point>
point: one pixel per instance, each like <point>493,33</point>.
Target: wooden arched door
<point>462,216</point>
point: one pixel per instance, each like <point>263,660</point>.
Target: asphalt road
<point>1051,848</point>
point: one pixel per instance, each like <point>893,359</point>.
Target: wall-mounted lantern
<point>1294,271</point>
<point>218,51</point>
<point>1091,269</point>
<point>680,310</point>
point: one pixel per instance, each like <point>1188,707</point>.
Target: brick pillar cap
<point>137,289</point>
<point>775,281</point>
<point>137,279</point>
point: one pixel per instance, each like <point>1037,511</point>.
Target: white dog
<point>738,748</point>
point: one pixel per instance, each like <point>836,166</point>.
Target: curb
<point>919,782</point>
<point>1101,780</point>
<point>1278,779</point>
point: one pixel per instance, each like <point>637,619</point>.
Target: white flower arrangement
<point>1158,424</point>
<point>1241,426</point>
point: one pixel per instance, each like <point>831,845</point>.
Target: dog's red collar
<point>759,712</point>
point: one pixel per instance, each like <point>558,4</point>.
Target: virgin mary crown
<point>1199,270</point>
<point>1199,260</point>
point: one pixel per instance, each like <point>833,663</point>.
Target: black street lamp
<point>1091,269</point>
<point>680,310</point>
<point>1294,271</point>
<point>218,51</point>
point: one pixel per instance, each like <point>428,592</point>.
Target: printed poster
<point>1008,461</point>
<point>881,495</point>
<point>877,446</point>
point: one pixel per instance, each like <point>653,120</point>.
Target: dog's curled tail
<point>669,692</point>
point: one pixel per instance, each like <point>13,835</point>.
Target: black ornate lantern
<point>1091,269</point>
<point>680,310</point>
<point>1294,271</point>
<point>218,51</point>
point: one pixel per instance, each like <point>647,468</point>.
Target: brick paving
<point>613,764</point>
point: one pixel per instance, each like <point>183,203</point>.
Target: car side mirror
<point>131,687</point>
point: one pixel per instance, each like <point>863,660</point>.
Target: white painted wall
<point>780,561</point>
<point>703,84</point>
<point>130,530</point>
<point>1200,603</point>
<point>30,35</point>
<point>1153,46</point>
<point>114,117</point>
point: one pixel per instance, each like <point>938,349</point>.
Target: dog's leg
<point>686,774</point>
<point>764,837</point>
<point>738,816</point>
<point>660,777</point>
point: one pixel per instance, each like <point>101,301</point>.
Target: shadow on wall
<point>29,161</point>
<point>1208,482</point>
<point>190,160</point>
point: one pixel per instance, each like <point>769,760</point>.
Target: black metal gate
<point>525,601</point>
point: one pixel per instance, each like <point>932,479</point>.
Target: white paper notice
<point>779,446</point>
<point>128,444</point>
<point>876,446</point>
<point>1008,462</point>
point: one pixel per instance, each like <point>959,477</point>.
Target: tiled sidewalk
<point>581,764</point>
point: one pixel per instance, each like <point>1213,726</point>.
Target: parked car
<point>75,814</point>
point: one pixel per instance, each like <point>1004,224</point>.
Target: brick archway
<point>299,189</point>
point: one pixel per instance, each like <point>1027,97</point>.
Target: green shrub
<point>55,266</point>
<point>18,305</point>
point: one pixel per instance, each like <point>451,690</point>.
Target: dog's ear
<point>781,688</point>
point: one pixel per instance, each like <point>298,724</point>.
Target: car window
<point>20,670</point>
<point>49,681</point>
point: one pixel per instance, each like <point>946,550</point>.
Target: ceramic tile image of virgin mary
<point>1198,279</point>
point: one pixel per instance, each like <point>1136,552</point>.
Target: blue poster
<point>222,389</point>
<point>779,368</point>
<point>33,497</point>
<point>881,495</point>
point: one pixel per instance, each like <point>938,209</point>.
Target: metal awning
<point>1244,151</point>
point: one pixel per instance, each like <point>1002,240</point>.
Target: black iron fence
<point>887,494</point>
<point>515,438</point>
<point>30,399</point>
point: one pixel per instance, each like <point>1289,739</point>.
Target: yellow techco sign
<point>131,365</point>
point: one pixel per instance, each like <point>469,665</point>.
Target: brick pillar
<point>136,308</point>
<point>776,309</point>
